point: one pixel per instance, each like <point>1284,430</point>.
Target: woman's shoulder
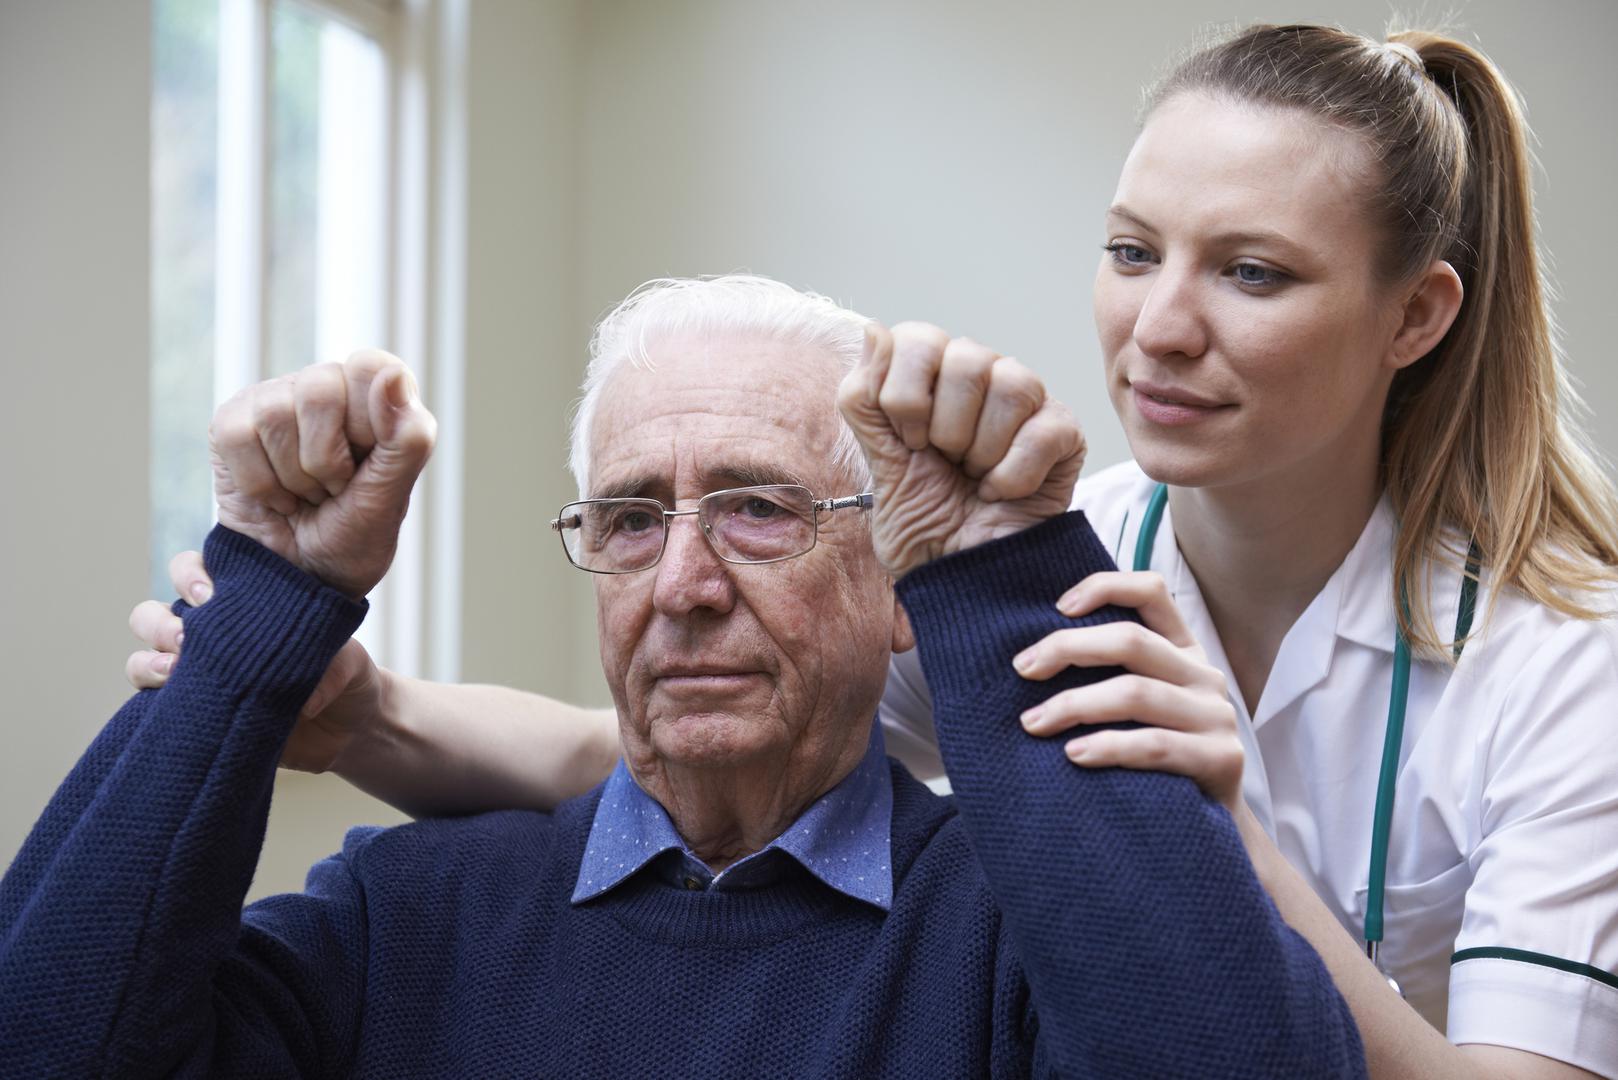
<point>1529,659</point>
<point>1511,621</point>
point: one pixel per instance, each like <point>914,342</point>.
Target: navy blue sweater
<point>1048,922</point>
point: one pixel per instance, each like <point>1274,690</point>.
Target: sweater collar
<point>844,839</point>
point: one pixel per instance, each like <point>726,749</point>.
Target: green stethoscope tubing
<point>1398,698</point>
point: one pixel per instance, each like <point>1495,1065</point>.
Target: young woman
<point>1324,332</point>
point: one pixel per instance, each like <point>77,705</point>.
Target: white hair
<point>731,304</point>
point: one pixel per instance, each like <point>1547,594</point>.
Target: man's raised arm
<point>1150,947</point>
<point>122,945</point>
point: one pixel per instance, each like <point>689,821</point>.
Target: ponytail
<point>1478,442</point>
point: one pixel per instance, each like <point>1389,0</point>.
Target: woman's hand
<point>347,701</point>
<point>1170,687</point>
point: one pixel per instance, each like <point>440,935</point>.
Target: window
<point>282,235</point>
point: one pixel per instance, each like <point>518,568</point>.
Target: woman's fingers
<point>148,670</point>
<point>190,578</point>
<point>1169,686</point>
<point>1144,591</point>
<point>157,626</point>
<point>1118,644</point>
<point>1214,763</point>
<point>1133,697</point>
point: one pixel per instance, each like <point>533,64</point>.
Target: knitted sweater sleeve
<point>1150,947</point>
<point>122,947</point>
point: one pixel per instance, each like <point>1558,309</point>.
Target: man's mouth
<point>704,680</point>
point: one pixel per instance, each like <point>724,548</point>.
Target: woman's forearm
<point>1398,1042</point>
<point>451,749</point>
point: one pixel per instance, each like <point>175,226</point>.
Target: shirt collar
<point>843,838</point>
<point>1366,615</point>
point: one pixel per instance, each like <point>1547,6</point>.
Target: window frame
<point>415,624</point>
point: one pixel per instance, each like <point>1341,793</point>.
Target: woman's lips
<point>1172,408</point>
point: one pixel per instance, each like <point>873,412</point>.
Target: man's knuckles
<point>1016,386</point>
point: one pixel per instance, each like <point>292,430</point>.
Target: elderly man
<point>755,891</point>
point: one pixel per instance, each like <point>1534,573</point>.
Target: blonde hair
<point>1476,438</point>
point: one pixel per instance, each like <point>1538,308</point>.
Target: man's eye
<point>635,521</point>
<point>760,508</point>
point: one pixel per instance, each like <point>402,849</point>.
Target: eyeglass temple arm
<point>864,500</point>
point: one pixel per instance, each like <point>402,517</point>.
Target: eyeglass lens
<point>745,525</point>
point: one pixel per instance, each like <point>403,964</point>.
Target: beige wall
<point>950,160</point>
<point>928,159</point>
<point>74,86</point>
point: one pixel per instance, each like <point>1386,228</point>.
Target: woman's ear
<point>1429,312</point>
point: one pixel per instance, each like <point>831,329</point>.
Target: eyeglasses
<point>743,525</point>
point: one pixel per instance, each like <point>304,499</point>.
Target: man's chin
<point>711,739</point>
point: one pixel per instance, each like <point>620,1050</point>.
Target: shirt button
<point>692,883</point>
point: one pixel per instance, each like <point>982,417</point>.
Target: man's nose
<point>1172,319</point>
<point>691,575</point>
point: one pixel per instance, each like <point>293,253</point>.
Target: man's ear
<point>1429,312</point>
<point>904,638</point>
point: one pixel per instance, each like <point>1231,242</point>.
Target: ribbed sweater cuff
<point>270,626</point>
<point>1002,591</point>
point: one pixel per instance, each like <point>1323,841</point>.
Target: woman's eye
<point>1131,255</point>
<point>1257,276</point>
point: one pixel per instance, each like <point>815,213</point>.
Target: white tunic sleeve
<point>1535,958</point>
<point>906,715</point>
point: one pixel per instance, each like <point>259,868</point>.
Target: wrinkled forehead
<point>705,414</point>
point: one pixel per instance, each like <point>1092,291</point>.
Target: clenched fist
<point>964,444</point>
<point>318,466</point>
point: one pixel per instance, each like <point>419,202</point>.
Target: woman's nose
<point>1171,319</point>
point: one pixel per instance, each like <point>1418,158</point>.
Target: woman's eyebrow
<point>1240,237</point>
<point>1119,210</point>
<point>1228,238</point>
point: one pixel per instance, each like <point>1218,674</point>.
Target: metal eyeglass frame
<point>863,501</point>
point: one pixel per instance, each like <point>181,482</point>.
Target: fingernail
<point>163,664</point>
<point>201,593</point>
<point>179,639</point>
<point>1067,606</point>
<point>399,391</point>
<point>1023,661</point>
<point>1031,717</point>
<point>1076,750</point>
